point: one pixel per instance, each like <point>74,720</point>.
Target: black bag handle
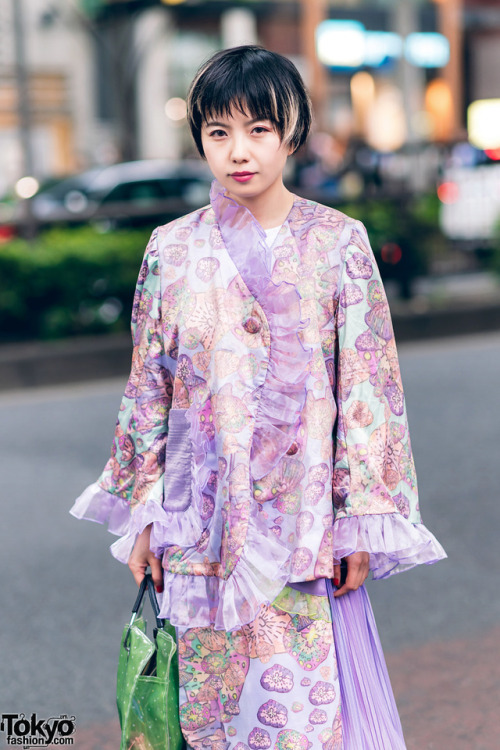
<point>146,583</point>
<point>160,622</point>
<point>140,595</point>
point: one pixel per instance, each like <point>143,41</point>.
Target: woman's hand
<point>141,557</point>
<point>358,567</point>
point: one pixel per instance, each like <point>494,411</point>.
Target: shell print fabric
<point>272,684</point>
<point>373,459</point>
<point>263,436</point>
<point>136,467</point>
<point>263,429</point>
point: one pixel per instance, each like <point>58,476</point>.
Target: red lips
<point>242,176</point>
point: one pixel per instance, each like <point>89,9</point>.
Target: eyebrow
<point>216,123</point>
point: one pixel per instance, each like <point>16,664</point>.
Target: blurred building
<point>482,49</point>
<point>108,78</point>
<point>63,126</point>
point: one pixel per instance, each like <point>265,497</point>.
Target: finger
<point>138,570</point>
<point>360,573</point>
<point>156,573</point>
<point>345,589</point>
<point>358,568</point>
<point>352,582</point>
<point>341,591</point>
<point>336,574</point>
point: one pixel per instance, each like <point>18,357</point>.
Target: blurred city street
<point>65,599</point>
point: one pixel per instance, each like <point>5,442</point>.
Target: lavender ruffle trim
<point>229,604</point>
<point>283,392</point>
<point>189,600</point>
<point>394,543</point>
<point>95,504</point>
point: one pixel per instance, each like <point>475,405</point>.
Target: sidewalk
<point>447,693</point>
<point>40,363</point>
<point>445,306</point>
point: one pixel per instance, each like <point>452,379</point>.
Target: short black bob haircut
<point>257,82</point>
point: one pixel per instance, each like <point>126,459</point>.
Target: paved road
<point>64,598</point>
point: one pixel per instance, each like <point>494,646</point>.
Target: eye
<point>217,133</point>
<point>260,129</point>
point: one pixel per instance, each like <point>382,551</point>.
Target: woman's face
<point>245,155</point>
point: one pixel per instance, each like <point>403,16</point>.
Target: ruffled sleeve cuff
<point>194,600</point>
<point>394,543</point>
<point>96,504</point>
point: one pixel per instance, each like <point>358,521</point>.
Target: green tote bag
<point>147,691</point>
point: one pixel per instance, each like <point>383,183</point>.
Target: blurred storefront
<point>393,100</point>
<point>58,71</point>
<point>107,78</point>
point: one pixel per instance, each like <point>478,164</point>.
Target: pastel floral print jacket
<point>263,429</point>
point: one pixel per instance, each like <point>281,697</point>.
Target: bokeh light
<point>427,49</point>
<point>448,192</point>
<point>439,106</point>
<point>176,109</point>
<point>363,94</point>
<point>386,122</point>
<point>391,253</point>
<point>26,187</point>
<point>483,122</point>
<point>493,153</point>
<point>341,44</point>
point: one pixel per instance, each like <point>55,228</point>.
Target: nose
<point>239,150</point>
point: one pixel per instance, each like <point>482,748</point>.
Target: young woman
<point>263,438</point>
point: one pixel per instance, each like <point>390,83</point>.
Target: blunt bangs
<point>255,82</point>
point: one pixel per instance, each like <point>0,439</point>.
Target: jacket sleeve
<point>374,481</point>
<point>130,489</point>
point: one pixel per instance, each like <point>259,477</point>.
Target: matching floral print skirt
<point>272,684</point>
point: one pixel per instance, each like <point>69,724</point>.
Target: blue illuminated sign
<point>427,50</point>
<point>347,45</point>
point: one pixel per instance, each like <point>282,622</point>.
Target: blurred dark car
<point>129,194</point>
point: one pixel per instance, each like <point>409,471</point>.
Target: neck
<point>270,208</point>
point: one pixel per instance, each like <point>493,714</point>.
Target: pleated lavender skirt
<point>370,719</point>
